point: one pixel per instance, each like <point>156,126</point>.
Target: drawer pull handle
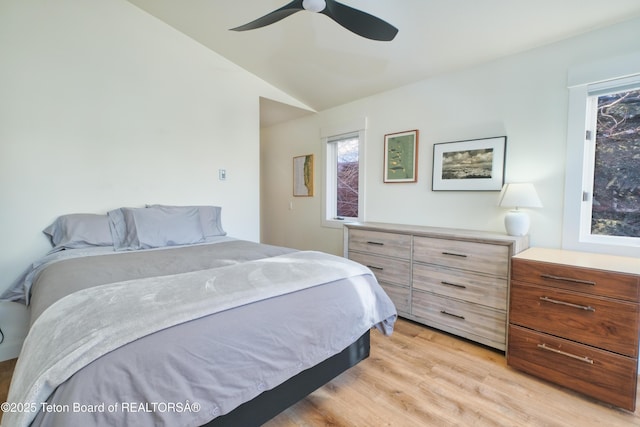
<point>454,254</point>
<point>564,353</point>
<point>455,285</point>
<point>373,267</point>
<point>452,315</point>
<point>375,243</point>
<point>568,304</point>
<point>568,279</point>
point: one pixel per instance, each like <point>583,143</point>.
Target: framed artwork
<point>303,176</point>
<point>472,165</point>
<point>401,156</point>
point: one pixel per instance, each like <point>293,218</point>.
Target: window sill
<point>337,223</point>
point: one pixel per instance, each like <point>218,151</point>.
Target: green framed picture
<point>401,157</point>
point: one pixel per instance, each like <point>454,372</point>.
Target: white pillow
<point>80,230</point>
<point>154,227</point>
<point>210,218</point>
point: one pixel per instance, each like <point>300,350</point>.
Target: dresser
<point>450,279</point>
<point>574,320</point>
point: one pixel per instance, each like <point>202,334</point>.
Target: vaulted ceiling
<point>323,65</point>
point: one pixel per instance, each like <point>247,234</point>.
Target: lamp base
<point>517,223</point>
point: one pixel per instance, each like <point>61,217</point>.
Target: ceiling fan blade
<point>360,22</point>
<point>270,18</point>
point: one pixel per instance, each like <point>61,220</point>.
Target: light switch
<point>222,174</point>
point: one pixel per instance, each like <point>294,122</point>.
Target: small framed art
<point>303,176</point>
<point>472,165</point>
<point>401,156</point>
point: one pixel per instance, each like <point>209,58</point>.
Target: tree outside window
<point>347,178</point>
<point>615,204</point>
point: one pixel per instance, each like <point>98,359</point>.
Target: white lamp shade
<point>518,195</point>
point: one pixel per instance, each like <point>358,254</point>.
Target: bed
<point>154,317</point>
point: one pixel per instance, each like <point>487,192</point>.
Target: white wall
<point>523,96</point>
<point>102,106</point>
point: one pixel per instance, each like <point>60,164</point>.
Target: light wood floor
<point>421,377</point>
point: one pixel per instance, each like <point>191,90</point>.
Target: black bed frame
<point>270,403</point>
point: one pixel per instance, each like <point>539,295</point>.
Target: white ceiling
<point>321,64</point>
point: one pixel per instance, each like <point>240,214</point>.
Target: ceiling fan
<point>354,20</point>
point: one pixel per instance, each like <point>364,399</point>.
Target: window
<point>344,179</point>
<point>347,172</point>
<point>612,175</point>
<point>602,182</point>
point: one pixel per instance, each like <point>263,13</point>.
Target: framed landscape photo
<point>472,165</point>
<point>303,176</point>
<point>401,156</point>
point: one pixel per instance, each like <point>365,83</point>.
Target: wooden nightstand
<point>574,320</point>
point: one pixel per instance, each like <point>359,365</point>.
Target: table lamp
<point>518,195</point>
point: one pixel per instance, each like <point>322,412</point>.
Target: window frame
<point>588,178</point>
<point>584,82</point>
<point>329,193</point>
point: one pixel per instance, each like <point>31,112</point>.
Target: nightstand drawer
<point>600,322</point>
<point>485,290</point>
<point>606,376</point>
<point>400,296</point>
<point>385,269</point>
<point>470,256</point>
<point>469,320</point>
<point>381,243</point>
<point>596,282</point>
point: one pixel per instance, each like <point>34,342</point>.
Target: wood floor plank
<point>6,371</point>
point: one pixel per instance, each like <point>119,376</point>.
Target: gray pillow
<point>79,231</point>
<point>145,228</point>
<point>210,218</point>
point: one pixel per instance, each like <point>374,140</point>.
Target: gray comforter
<point>161,338</point>
<point>63,273</point>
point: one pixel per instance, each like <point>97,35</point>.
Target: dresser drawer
<point>601,322</point>
<point>381,243</point>
<point>597,282</point>
<point>486,290</point>
<point>400,296</point>
<point>471,256</point>
<point>385,269</point>
<point>606,376</point>
<point>468,320</point>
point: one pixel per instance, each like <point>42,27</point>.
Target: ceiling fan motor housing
<point>314,5</point>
